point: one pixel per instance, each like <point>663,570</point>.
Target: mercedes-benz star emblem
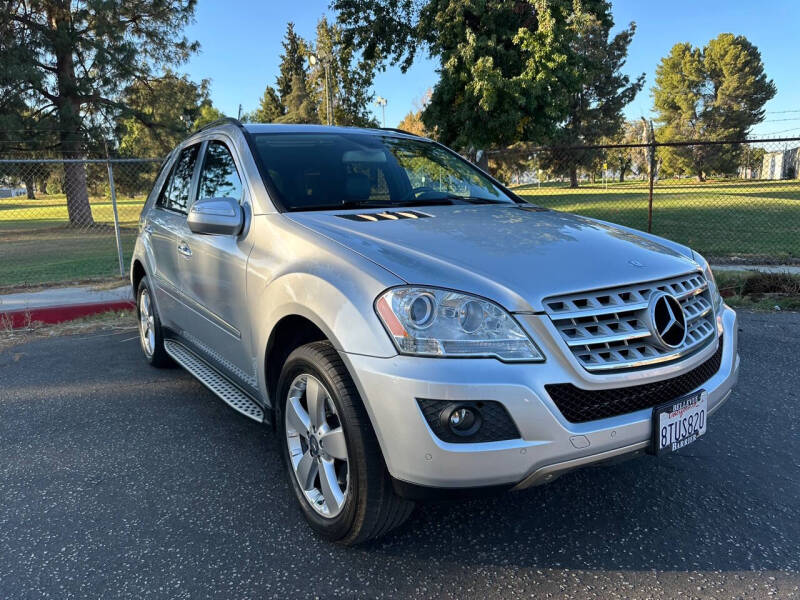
<point>667,320</point>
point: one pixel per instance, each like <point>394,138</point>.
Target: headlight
<point>434,322</point>
<point>716,298</point>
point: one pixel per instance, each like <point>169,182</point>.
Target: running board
<point>209,377</point>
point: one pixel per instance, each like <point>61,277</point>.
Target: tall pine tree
<point>72,60</point>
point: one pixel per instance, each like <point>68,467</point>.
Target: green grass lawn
<point>38,246</point>
<point>718,218</point>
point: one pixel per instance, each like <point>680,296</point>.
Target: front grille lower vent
<point>608,329</point>
<point>385,216</point>
<point>580,406</point>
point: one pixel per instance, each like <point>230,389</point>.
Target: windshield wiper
<point>476,199</point>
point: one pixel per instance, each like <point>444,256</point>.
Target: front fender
<point>345,316</point>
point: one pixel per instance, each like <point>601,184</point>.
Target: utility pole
<point>325,60</point>
<point>381,101</point>
<point>239,117</point>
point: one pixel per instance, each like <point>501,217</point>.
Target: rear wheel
<point>150,335</point>
<point>335,466</point>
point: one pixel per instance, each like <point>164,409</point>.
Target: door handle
<point>184,249</point>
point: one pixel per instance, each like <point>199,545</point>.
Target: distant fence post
<point>116,217</point>
<point>651,161</point>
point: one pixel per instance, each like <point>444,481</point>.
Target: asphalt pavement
<point>120,480</point>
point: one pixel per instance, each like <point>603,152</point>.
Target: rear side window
<point>175,195</point>
<point>219,177</point>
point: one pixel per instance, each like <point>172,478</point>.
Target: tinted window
<point>175,195</point>
<point>219,178</point>
<point>336,170</point>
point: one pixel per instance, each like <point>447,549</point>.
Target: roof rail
<point>222,121</point>
<point>396,130</point>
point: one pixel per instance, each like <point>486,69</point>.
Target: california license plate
<point>680,422</point>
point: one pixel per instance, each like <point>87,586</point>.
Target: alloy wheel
<point>317,447</point>
<point>147,326</point>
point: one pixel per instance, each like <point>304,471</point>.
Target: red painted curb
<point>59,314</point>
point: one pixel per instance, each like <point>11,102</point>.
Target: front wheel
<point>335,466</point>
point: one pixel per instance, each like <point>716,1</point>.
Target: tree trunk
<point>29,187</point>
<point>43,185</point>
<point>573,177</point>
<point>622,175</point>
<point>68,103</point>
<point>701,177</point>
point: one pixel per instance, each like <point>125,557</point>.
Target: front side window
<point>320,171</point>
<point>175,195</point>
<point>219,177</point>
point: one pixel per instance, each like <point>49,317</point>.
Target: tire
<point>368,507</point>
<point>151,337</point>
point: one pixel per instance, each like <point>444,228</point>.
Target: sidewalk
<point>61,304</point>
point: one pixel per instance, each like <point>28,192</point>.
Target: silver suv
<point>413,329</point>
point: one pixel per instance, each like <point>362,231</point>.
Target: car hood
<point>511,254</point>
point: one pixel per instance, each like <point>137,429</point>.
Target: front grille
<point>497,423</point>
<point>608,329</point>
<point>579,405</point>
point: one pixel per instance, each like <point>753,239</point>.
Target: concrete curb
<point>61,304</point>
<point>58,314</point>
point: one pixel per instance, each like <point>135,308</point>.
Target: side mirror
<point>220,216</point>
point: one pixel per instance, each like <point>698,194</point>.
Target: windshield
<point>320,171</point>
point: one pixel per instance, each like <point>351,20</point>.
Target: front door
<point>213,273</point>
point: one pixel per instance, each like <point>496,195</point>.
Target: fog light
<point>463,420</point>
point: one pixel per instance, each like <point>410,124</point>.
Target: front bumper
<point>549,444</point>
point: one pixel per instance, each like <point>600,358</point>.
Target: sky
<point>241,44</point>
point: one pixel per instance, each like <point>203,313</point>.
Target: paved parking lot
<point>118,480</point>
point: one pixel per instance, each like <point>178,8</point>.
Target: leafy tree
<point>72,59</point>
<point>598,94</point>
<point>412,122</point>
<point>167,109</point>
<point>270,108</point>
<point>624,160</point>
<point>350,78</point>
<point>713,93</point>
<point>208,114</point>
<point>22,133</point>
<point>505,68</point>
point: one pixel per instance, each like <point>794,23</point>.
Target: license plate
<point>680,422</point>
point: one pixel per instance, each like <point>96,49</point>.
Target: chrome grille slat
<point>607,329</point>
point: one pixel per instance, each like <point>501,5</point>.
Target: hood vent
<point>385,216</point>
<point>534,208</point>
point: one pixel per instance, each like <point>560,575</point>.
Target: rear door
<point>165,224</point>
<point>213,276</point>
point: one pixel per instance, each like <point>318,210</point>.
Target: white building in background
<point>784,164</point>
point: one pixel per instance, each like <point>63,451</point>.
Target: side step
<point>209,377</point>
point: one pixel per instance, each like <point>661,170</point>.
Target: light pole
<point>381,101</point>
<point>325,60</point>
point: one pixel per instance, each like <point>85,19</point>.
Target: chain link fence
<point>69,220</point>
<point>73,220</point>
<point>731,201</point>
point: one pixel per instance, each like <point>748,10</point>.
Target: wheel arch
<point>138,273</point>
<point>290,332</point>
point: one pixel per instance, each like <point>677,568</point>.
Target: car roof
<point>298,128</point>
